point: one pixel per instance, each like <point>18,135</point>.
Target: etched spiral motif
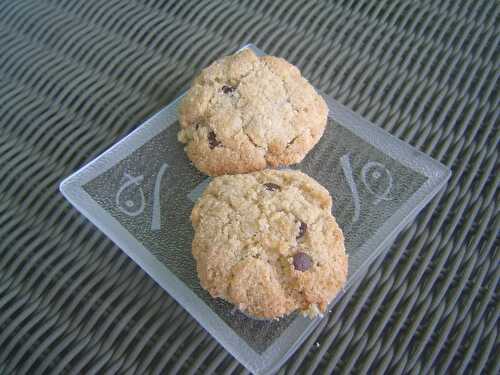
<point>130,197</point>
<point>377,180</point>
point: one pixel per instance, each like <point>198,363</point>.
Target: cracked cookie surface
<point>267,242</point>
<point>244,113</point>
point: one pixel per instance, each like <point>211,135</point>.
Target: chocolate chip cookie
<point>268,243</point>
<point>244,113</point>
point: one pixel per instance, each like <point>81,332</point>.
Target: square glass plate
<point>141,191</point>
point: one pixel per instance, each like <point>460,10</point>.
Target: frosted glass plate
<point>141,191</point>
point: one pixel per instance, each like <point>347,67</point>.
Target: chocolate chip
<point>228,89</point>
<point>302,262</point>
<point>302,230</point>
<point>292,141</point>
<point>212,140</point>
<point>272,187</point>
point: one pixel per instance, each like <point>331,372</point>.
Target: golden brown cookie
<point>244,113</point>
<point>268,243</point>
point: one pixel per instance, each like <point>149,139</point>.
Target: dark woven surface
<point>76,76</point>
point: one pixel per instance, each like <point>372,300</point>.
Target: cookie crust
<point>245,113</point>
<point>268,243</point>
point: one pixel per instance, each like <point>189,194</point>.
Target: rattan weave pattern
<point>77,75</point>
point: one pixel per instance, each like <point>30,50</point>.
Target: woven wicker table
<point>76,76</point>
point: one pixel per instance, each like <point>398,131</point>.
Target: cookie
<point>267,242</point>
<point>245,113</point>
